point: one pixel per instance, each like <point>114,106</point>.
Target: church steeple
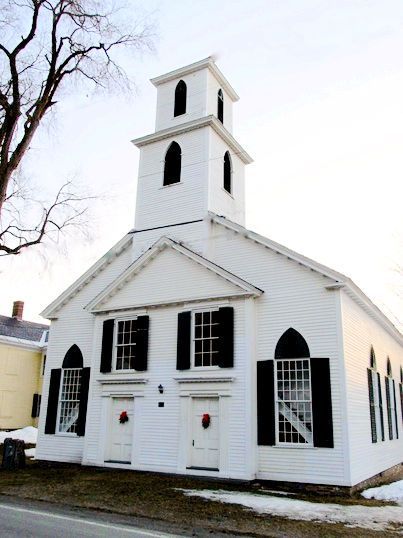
<point>191,164</point>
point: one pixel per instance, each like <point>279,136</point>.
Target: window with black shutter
<point>375,400</point>
<point>131,344</point>
<point>302,394</point>
<point>107,345</point>
<point>391,402</point>
<point>53,400</point>
<point>183,341</point>
<point>266,419</point>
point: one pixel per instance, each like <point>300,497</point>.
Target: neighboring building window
<point>391,402</point>
<point>206,338</point>
<point>36,405</point>
<point>172,165</point>
<point>69,400</point>
<point>126,331</point>
<point>227,172</point>
<point>293,398</point>
<point>375,401</point>
<point>180,98</point>
<point>43,364</point>
<point>401,391</point>
<point>220,106</point>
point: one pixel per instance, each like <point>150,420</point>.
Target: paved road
<point>25,519</point>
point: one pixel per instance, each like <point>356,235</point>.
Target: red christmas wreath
<point>205,420</point>
<point>123,417</point>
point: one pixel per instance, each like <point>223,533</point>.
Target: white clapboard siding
<point>159,205</point>
<point>360,332</point>
<point>196,100</point>
<point>158,429</point>
<point>294,296</point>
<point>73,326</point>
<point>220,201</point>
<point>169,277</point>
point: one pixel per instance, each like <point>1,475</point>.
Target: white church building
<point>196,346</point>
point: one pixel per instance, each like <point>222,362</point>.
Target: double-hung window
<point>293,401</point>
<point>206,338</point>
<point>125,339</point>
<point>69,400</point>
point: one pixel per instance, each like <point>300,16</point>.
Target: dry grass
<point>156,496</point>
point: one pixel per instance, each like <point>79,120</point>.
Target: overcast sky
<point>320,111</point>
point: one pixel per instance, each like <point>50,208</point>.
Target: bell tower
<point>191,164</point>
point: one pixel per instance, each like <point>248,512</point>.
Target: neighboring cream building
<point>22,361</point>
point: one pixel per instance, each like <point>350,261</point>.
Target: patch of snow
<point>367,517</point>
<point>388,492</point>
<point>28,434</point>
<point>30,452</point>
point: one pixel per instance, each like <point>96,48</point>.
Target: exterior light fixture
<point>161,389</point>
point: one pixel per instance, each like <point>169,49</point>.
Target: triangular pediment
<point>170,273</point>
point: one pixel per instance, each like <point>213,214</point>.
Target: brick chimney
<point>18,309</point>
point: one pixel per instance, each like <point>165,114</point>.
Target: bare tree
<point>45,44</point>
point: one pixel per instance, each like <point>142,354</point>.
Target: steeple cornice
<point>208,121</point>
<point>196,66</point>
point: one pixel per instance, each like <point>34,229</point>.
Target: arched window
<point>173,163</point>
<point>293,394</point>
<point>375,400</point>
<point>291,346</point>
<point>391,406</point>
<point>372,358</point>
<point>220,106</point>
<point>180,98</point>
<point>227,172</point>
<point>69,398</point>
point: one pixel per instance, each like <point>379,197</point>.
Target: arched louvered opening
<point>73,358</point>
<point>173,163</point>
<point>401,381</point>
<point>227,172</point>
<point>291,345</point>
<point>372,358</point>
<point>180,98</point>
<point>220,106</point>
<point>388,367</point>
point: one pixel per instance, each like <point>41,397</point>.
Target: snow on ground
<point>389,492</point>
<point>30,452</point>
<point>367,517</point>
<point>28,434</point>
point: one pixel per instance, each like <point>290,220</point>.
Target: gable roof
<point>340,280</point>
<point>238,286</point>
<point>52,309</point>
<point>24,330</point>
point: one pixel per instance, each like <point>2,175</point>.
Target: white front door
<point>120,434</point>
<point>205,442</point>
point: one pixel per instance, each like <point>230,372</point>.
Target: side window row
<point>204,339</point>
<point>181,101</point>
<point>376,400</point>
<point>173,167</point>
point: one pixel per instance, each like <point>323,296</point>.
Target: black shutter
<point>371,405</point>
<point>266,431</point>
<point>53,400</point>
<point>401,398</point>
<point>226,337</point>
<point>321,403</point>
<point>394,399</point>
<point>34,412</point>
<point>183,342</point>
<point>107,345</point>
<point>381,406</point>
<point>82,410</point>
<point>389,408</point>
<point>140,362</point>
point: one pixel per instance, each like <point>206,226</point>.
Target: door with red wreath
<point>120,431</point>
<point>205,439</point>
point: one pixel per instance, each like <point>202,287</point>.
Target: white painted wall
<point>73,326</point>
<point>360,332</point>
<point>159,205</point>
<point>195,105</point>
